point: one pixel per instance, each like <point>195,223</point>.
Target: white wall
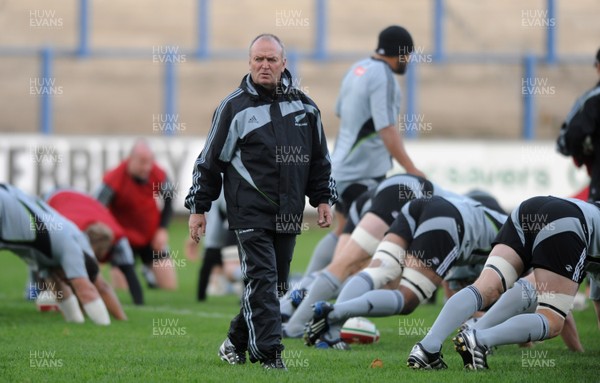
<point>511,170</point>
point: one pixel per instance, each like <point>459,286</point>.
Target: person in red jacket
<point>105,233</point>
<point>131,192</point>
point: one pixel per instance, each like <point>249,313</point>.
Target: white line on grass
<point>169,310</point>
<point>165,309</point>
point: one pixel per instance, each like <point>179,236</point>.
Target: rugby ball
<point>359,330</point>
<point>46,301</point>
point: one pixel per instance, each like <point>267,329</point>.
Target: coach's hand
<point>197,225</point>
<point>325,217</point>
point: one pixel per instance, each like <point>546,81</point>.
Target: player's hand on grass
<point>197,226</point>
<point>325,217</point>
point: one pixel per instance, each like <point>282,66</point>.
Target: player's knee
<point>411,302</point>
<point>346,265</point>
<point>555,307</point>
<point>387,263</point>
<point>490,293</point>
<point>556,327</point>
<point>166,278</point>
<point>170,285</point>
<point>421,286</point>
<point>555,322</point>
<point>497,277</point>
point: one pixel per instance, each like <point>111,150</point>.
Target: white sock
<point>97,312</point>
<point>70,309</point>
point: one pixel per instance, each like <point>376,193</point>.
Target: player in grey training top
<point>560,239</point>
<point>368,138</point>
<point>368,106</point>
<point>354,250</point>
<point>428,237</point>
<point>56,248</point>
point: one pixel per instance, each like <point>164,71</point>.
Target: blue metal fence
<point>83,49</point>
<point>46,115</point>
<point>320,52</point>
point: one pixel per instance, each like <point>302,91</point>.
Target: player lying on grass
<point>104,232</point>
<point>559,238</point>
<point>357,244</point>
<point>57,249</point>
<point>428,237</point>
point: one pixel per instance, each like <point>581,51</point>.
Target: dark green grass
<point>136,351</point>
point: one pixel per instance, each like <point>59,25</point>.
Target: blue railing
<point>83,49</point>
<point>46,100</point>
<point>320,52</point>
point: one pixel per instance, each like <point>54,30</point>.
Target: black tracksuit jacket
<point>272,152</point>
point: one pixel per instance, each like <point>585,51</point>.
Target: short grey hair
<point>271,37</point>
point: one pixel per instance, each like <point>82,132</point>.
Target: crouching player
<point>53,246</point>
<point>104,232</point>
<point>558,238</point>
<point>428,237</point>
<point>356,246</point>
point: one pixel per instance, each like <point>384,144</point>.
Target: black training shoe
<point>419,359</point>
<point>274,364</point>
<point>474,355</point>
<point>228,353</point>
<point>318,325</point>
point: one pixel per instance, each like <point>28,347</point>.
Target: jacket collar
<point>284,88</point>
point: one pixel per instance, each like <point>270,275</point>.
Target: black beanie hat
<point>394,41</point>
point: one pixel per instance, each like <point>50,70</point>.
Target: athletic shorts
<point>548,233</point>
<point>388,203</point>
<point>348,191</point>
<point>356,209</point>
<point>434,241</point>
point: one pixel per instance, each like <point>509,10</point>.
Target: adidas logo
<point>253,120</point>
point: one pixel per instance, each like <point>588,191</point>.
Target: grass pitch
<point>175,338</point>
